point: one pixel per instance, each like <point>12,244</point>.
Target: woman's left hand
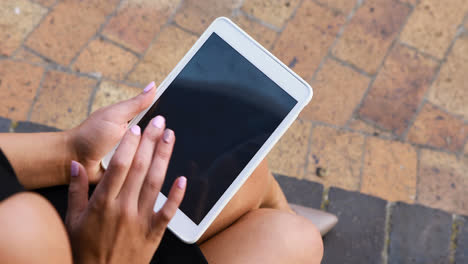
<point>103,129</point>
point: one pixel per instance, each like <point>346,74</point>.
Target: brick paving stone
<point>23,54</point>
<point>30,127</point>
<point>288,156</point>
<point>461,253</point>
<point>264,35</point>
<point>17,19</point>
<point>334,98</point>
<point>411,2</point>
<point>359,235</point>
<point>398,89</point>
<point>361,126</point>
<point>344,6</point>
<point>419,235</point>
<point>337,152</point>
<point>301,192</point>
<point>17,90</point>
<point>169,47</point>
<point>436,128</point>
<point>4,125</point>
<point>196,15</point>
<point>433,25</point>
<point>111,92</point>
<point>63,100</point>
<point>106,59</point>
<point>443,181</point>
<point>46,3</point>
<point>370,33</point>
<point>307,38</point>
<point>450,89</point>
<point>138,21</point>
<point>275,13</point>
<point>59,38</point>
<point>390,170</point>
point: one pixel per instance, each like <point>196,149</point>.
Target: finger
<point>118,168</point>
<point>77,192</point>
<point>142,160</point>
<point>126,110</point>
<point>157,172</point>
<point>161,219</point>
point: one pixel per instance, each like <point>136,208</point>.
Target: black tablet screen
<point>222,110</point>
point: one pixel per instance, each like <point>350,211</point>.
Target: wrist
<point>71,151</point>
<point>68,138</point>
<point>80,149</point>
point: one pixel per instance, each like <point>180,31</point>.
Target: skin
<point>30,226</point>
<point>242,233</point>
<point>251,240</point>
<point>243,226</point>
<point>261,190</point>
<point>117,224</point>
<point>88,144</point>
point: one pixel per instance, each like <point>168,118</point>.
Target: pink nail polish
<point>136,130</point>
<point>148,87</point>
<point>181,182</point>
<point>158,122</point>
<point>74,168</point>
<point>167,137</point>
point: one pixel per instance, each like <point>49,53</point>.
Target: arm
<point>43,159</point>
<point>39,159</point>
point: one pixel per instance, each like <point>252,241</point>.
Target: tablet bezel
<point>181,225</point>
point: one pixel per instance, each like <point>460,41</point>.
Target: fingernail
<point>148,87</point>
<point>167,137</point>
<point>158,122</point>
<point>74,168</point>
<point>181,182</point>
<point>136,130</point>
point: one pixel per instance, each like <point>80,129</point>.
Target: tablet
<point>228,101</point>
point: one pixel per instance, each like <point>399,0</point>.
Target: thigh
<point>266,236</point>
<point>249,197</point>
<point>32,231</point>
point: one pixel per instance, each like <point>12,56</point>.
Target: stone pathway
<point>384,139</point>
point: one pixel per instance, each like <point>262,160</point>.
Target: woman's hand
<point>103,129</point>
<point>117,224</point>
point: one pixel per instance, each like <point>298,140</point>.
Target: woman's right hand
<point>117,224</point>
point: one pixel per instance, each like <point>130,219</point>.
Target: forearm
<point>39,159</point>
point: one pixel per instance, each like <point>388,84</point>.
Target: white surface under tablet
<point>228,101</point>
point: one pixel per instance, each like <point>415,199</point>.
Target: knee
<point>32,231</point>
<point>299,238</point>
<point>306,236</point>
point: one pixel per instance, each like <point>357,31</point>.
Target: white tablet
<point>228,101</point>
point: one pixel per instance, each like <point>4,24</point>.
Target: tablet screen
<point>222,110</point>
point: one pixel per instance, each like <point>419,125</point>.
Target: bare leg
<point>261,190</point>
<point>258,226</point>
<point>274,197</point>
<point>266,236</point>
<point>32,231</point>
<point>30,224</point>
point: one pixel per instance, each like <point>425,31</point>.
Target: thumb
<point>77,192</point>
<point>123,111</point>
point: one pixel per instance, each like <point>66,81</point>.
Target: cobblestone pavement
<point>389,117</point>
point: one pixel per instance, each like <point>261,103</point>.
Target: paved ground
<point>389,117</point>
